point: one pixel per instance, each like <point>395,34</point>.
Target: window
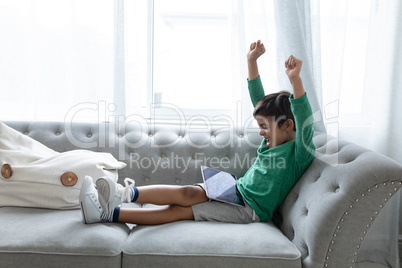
<point>100,61</point>
<point>54,58</point>
<point>186,57</point>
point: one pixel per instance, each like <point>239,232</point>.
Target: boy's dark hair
<point>277,106</point>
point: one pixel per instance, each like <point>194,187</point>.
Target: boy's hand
<point>256,50</point>
<point>293,67</point>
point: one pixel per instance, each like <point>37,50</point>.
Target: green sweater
<point>275,171</point>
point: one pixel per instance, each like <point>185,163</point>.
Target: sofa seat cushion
<point>58,238</point>
<point>209,244</point>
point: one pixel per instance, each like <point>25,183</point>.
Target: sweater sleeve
<point>256,90</point>
<point>304,120</point>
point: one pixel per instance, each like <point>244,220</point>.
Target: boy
<point>285,122</point>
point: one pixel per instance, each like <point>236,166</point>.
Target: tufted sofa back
<point>342,178</point>
<point>348,189</point>
<point>158,154</point>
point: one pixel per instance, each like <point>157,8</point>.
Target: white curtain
<point>294,30</point>
<point>352,60</point>
<point>285,29</point>
<point>361,65</point>
<point>351,65</point>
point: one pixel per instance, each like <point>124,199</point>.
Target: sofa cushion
<point>212,244</point>
<point>32,237</point>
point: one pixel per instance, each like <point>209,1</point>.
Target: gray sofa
<point>343,212</point>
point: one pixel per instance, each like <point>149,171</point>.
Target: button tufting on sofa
<point>337,189</point>
<point>348,161</point>
<point>316,178</point>
<point>305,211</point>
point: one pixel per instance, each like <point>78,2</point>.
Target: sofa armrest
<point>331,211</point>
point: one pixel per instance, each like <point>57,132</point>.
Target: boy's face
<point>270,130</point>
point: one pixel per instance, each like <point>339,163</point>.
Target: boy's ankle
<point>113,216</point>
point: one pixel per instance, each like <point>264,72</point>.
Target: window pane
<point>193,54</point>
<point>55,55</point>
<point>136,19</point>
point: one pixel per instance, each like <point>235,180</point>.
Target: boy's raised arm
<point>256,50</point>
<point>293,67</point>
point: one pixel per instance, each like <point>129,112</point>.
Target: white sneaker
<point>112,194</point>
<point>90,207</point>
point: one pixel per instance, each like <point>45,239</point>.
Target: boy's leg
<point>92,211</point>
<point>152,216</point>
<point>171,195</point>
<point>112,194</point>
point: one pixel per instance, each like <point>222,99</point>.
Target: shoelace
<point>129,183</point>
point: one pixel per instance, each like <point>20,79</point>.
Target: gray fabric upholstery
<point>33,237</point>
<point>210,243</point>
<point>346,197</point>
<point>330,217</point>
